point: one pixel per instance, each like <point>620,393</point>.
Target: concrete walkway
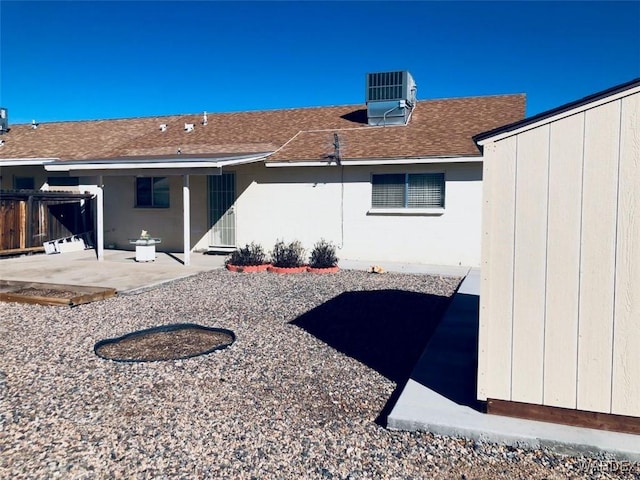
<point>399,267</point>
<point>440,396</point>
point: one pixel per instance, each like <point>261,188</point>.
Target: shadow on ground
<point>387,330</point>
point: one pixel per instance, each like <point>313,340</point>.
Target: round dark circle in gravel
<point>166,342</point>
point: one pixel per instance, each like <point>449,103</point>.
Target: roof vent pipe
<point>4,120</point>
<point>34,125</point>
<point>163,127</point>
<point>188,127</point>
<point>204,118</point>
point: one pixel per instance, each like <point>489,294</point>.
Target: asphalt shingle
<point>437,128</point>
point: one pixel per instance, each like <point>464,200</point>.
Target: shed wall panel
<point>597,260</point>
<point>626,341</point>
<point>530,265</point>
<point>563,262</point>
<point>496,301</point>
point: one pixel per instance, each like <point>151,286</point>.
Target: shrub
<point>292,255</point>
<point>323,255</point>
<point>251,254</point>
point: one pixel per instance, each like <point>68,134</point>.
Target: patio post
<point>186,206</point>
<point>100,220</point>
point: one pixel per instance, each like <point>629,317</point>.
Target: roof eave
<point>26,162</point>
<point>562,111</point>
<point>377,161</point>
<point>152,163</point>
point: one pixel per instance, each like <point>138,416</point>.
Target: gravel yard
<point>281,402</point>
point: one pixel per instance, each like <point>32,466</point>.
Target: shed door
<point>222,219</point>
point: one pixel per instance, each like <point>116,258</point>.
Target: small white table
<point>145,248</point>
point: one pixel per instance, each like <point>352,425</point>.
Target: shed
<point>559,333</point>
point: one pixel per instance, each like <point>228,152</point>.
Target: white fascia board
<point>147,172</point>
<point>68,166</point>
<point>560,116</point>
<point>381,161</point>
<point>241,161</point>
<point>301,164</point>
<point>411,161</point>
<point>106,166</point>
<point>25,162</point>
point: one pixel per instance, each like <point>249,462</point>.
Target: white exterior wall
<point>308,203</point>
<point>40,178</point>
<point>122,221</point>
<point>7,175</point>
<point>560,294</point>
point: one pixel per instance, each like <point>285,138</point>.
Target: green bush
<point>291,255</point>
<point>323,255</point>
<point>249,255</point>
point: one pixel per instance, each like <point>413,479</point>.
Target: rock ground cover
<point>278,403</point>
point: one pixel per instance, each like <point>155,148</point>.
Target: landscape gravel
<point>279,403</point>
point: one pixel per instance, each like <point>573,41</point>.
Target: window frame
<point>406,209</point>
<point>152,193</point>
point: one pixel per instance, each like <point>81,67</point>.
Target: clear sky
<point>90,60</point>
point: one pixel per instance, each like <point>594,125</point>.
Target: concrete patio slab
<point>440,396</point>
<point>118,270</point>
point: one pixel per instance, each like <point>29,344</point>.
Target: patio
<point>118,270</point>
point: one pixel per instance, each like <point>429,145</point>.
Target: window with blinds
<point>407,190</point>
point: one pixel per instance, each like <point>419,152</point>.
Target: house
<point>395,179</point>
<point>560,288</point>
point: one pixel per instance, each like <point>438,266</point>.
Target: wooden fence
<point>30,218</point>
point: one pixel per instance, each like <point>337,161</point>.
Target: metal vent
<point>4,120</point>
<point>384,86</point>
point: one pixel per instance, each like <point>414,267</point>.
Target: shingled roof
<point>438,128</point>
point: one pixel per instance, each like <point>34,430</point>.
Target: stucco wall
<point>309,203</point>
<point>122,220</point>
<point>40,177</point>
<point>560,294</point>
<point>9,173</point>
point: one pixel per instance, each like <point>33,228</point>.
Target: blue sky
<point>89,60</point>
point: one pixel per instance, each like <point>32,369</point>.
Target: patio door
<point>222,219</point>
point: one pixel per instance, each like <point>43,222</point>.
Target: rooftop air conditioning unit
<point>391,86</point>
<point>390,97</point>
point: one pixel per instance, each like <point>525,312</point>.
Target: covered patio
<point>181,165</point>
